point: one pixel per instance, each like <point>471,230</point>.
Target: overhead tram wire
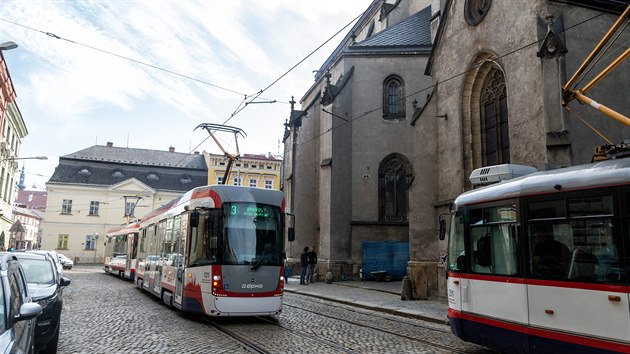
<point>188,77</point>
<point>294,66</point>
<point>351,120</point>
<point>523,47</point>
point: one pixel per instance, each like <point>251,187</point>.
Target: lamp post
<point>25,158</point>
<point>8,45</point>
<point>95,236</point>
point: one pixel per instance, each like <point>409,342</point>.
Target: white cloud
<point>70,95</point>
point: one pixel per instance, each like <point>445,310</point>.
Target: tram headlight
<point>216,277</point>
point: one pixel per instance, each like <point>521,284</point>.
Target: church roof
<point>109,165</point>
<point>414,31</point>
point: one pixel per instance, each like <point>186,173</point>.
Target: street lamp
<point>95,236</point>
<point>8,45</point>
<point>25,158</point>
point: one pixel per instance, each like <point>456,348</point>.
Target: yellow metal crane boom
<point>579,94</point>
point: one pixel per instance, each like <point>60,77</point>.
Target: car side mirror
<point>291,234</point>
<point>28,311</point>
<point>442,234</point>
<point>64,281</point>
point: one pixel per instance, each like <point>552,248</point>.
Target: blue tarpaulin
<point>389,256</point>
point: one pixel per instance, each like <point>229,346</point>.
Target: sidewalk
<point>373,295</point>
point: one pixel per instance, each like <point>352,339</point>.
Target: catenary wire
<point>257,95</point>
<point>368,112</point>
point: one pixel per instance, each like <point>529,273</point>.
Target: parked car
<point>45,285</point>
<point>66,262</point>
<point>17,311</point>
<point>54,256</point>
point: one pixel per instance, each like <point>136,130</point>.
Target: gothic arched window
<point>394,176</point>
<point>494,118</point>
<point>394,100</point>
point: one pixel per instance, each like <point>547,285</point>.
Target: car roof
<point>29,255</point>
<point>5,259</point>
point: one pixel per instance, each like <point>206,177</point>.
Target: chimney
<point>171,149</point>
<point>110,144</point>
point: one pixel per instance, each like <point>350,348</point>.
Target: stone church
<point>417,96</point>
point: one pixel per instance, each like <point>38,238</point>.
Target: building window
<point>90,242</point>
<point>153,176</point>
<point>476,10</point>
<point>253,183</point>
<point>268,184</point>
<point>494,118</point>
<point>221,163</point>
<point>254,166</point>
<point>394,101</point>
<point>118,174</point>
<point>236,181</point>
<point>393,184</point>
<point>94,207</point>
<point>62,241</point>
<point>269,167</point>
<point>129,208</point>
<point>84,171</point>
<point>66,206</point>
<point>219,180</point>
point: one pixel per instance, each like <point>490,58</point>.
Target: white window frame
<point>66,206</point>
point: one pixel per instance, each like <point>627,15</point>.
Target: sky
<point>145,73</point>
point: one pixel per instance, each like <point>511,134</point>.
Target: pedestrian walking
<point>303,265</point>
<point>311,258</point>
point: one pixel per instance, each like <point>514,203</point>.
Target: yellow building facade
<point>250,170</point>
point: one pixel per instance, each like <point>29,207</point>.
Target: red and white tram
<point>120,250</point>
<point>217,250</point>
<point>539,263</point>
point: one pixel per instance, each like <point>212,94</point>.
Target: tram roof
<point>219,194</point>
<point>593,175</point>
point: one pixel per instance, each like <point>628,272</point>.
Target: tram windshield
<point>240,233</point>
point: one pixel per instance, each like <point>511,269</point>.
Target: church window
<point>394,178</point>
<point>394,100</point>
<point>494,118</point>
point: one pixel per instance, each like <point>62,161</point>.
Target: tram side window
<point>494,249</point>
<point>456,248</point>
<point>493,240</point>
<point>550,254</point>
<point>581,245</point>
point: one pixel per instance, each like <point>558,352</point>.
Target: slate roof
<point>414,31</point>
<point>108,165</point>
<point>38,199</point>
<point>139,157</point>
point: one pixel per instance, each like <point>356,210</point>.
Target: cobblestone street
<point>104,314</point>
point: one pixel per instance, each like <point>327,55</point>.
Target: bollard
<point>405,288</point>
<point>329,278</point>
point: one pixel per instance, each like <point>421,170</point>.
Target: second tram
<point>539,263</point>
<point>120,250</point>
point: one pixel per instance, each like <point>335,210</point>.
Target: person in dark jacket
<point>311,258</point>
<point>303,266</point>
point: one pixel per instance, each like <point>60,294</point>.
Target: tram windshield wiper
<point>268,251</point>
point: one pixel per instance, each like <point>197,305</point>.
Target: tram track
<point>433,326</point>
<point>382,330</point>
<point>248,344</point>
<point>254,347</point>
